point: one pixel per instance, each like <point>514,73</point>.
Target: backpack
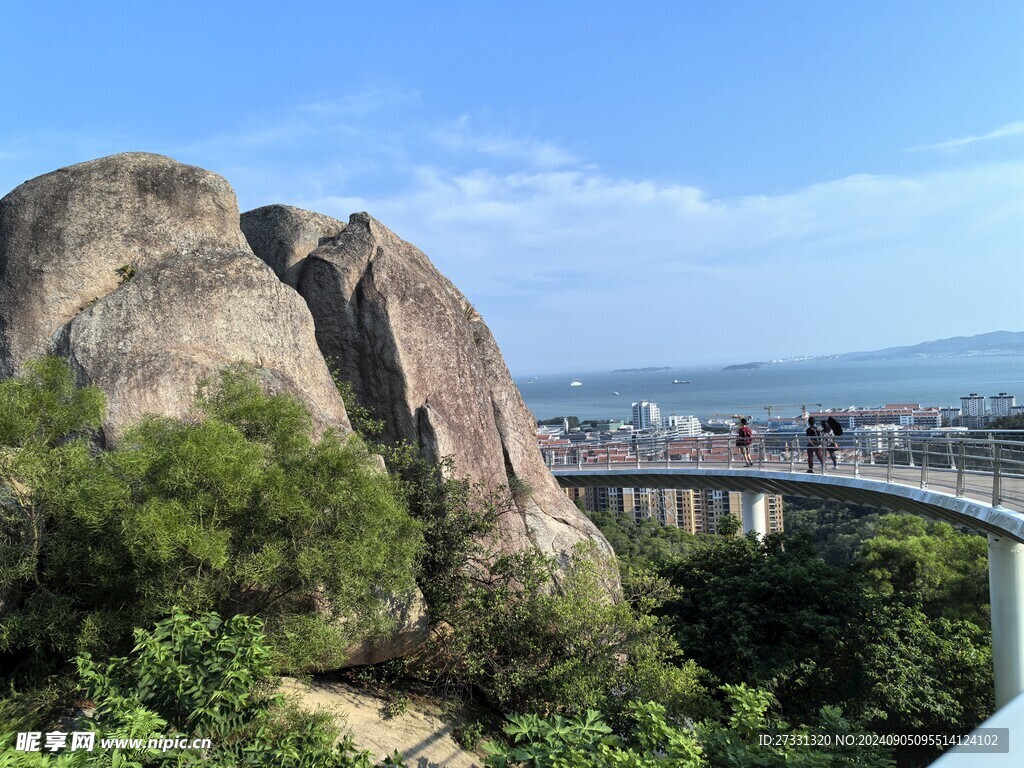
<point>745,437</point>
<point>837,428</point>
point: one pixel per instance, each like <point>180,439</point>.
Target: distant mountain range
<point>984,344</point>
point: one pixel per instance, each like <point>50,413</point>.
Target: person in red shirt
<point>744,439</point>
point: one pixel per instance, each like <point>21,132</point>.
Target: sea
<point>712,392</point>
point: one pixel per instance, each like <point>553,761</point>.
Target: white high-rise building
<point>646,415</point>
<point>972,405</point>
<point>683,426</point>
<point>950,416</point>
<point>1001,404</point>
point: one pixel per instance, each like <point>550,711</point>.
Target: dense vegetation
<point>241,511</point>
<point>1008,422</point>
<point>169,580</point>
<point>884,616</point>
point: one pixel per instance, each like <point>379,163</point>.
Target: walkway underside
<point>857,490</point>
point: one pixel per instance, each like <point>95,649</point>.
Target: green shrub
<point>649,737</point>
<point>241,512</point>
<point>199,677</point>
<point>586,741</point>
<point>529,645</point>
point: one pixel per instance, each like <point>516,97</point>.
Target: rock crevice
<point>401,333</point>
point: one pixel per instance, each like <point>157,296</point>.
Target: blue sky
<point>664,183</point>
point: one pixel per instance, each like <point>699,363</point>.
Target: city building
<point>972,405</point>
<point>950,416</point>
<point>1001,405</point>
<point>972,411</point>
<point>694,511</point>
<point>909,415</point>
<point>646,415</point>
<point>683,426</point>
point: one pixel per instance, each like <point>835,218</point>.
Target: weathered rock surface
<point>419,355</point>
<point>421,733</point>
<point>411,632</point>
<point>65,235</point>
<point>283,236</point>
<point>149,342</point>
<point>134,267</point>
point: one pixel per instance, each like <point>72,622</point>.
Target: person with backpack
<point>744,439</point>
<point>814,438</point>
<point>829,439</point>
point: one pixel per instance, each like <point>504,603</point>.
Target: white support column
<point>755,513</point>
<point>1006,593</point>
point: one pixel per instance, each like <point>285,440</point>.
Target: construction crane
<point>803,407</point>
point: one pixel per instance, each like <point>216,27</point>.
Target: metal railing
<point>983,465</point>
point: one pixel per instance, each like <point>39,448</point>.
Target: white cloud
<point>461,136</point>
<point>569,264</point>
<point>573,265</point>
<point>1015,128</point>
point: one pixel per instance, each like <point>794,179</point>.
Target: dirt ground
<point>419,733</point>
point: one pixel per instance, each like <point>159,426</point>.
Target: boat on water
<point>575,383</point>
<point>615,393</point>
<point>679,381</point>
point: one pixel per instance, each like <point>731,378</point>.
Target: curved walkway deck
<point>872,487</point>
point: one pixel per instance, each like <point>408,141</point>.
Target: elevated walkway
<point>970,479</point>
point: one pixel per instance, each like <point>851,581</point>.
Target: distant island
<point>650,369</point>
<point>1001,343</point>
<point>994,344</point>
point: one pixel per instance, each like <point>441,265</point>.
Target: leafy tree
<point>241,511</point>
<point>917,674</point>
<point>641,544</point>
<point>763,612</point>
<point>774,615</point>
<point>836,530</point>
<point>531,646</point>
<point>943,568</point>
<point>1007,422</point>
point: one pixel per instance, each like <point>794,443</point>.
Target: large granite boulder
<point>148,343</point>
<point>283,236</point>
<point>134,267</point>
<point>69,237</point>
<point>421,358</point>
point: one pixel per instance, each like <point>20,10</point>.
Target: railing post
<point>856,457</point>
<point>892,452</point>
<point>961,470</point>
<point>608,456</point>
<point>792,456</point>
<point>696,443</point>
<point>924,464</point>
<point>730,451</point>
<point>997,471</point>
<point>761,449</point>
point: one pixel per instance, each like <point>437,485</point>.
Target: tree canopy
<point>241,511</point>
